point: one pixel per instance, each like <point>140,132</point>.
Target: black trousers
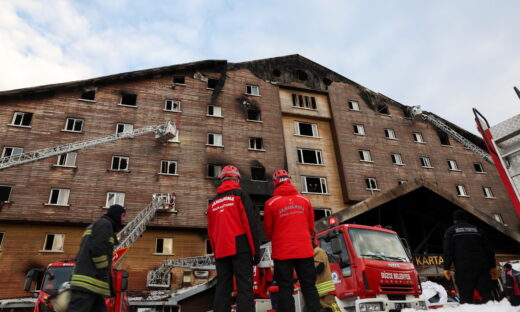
<point>468,282</point>
<point>283,275</point>
<point>81,301</point>
<point>241,266</point>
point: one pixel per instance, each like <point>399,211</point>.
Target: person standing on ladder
<point>233,236</point>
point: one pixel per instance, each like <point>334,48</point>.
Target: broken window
<point>88,95</point>
<point>425,162</point>
<point>306,129</point>
<point>364,155</point>
<point>314,185</point>
<point>164,246</point>
<point>10,151</point>
<point>2,234</point>
<point>461,190</point>
<point>115,198</point>
<point>214,170</point>
<point>172,105</point>
<point>168,167</point>
<point>53,242</point>
<point>353,105</point>
<point>214,139</point>
<point>59,197</point>
<point>321,213</point>
<point>120,163</point>
<point>176,138</point>
<point>417,137</point>
<point>303,101</point>
<point>21,119</point>
<point>397,159</point>
<point>215,111</point>
<point>478,167</point>
<point>487,192</point>
<point>390,134</point>
<point>444,138</point>
<point>253,115</point>
<point>309,156</point>
<point>179,80</point>
<point>212,83</point>
<point>359,130</point>
<point>67,160</point>
<point>452,165</point>
<point>73,125</point>
<point>383,110</point>
<point>5,193</point>
<point>258,173</point>
<point>129,99</point>
<point>371,184</point>
<point>252,90</point>
<point>256,144</point>
<point>124,127</point>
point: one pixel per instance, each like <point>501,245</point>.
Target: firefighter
<point>289,224</point>
<point>91,280</point>
<point>324,283</point>
<point>233,235</point>
<point>473,257</point>
<point>512,285</point>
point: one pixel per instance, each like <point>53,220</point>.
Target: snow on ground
<point>492,306</point>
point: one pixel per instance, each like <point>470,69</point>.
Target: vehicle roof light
<point>333,221</point>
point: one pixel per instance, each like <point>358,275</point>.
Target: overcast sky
<point>447,56</point>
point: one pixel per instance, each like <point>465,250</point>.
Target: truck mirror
<point>124,280</point>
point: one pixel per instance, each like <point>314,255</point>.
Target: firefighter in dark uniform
<point>473,257</point>
<point>289,224</point>
<point>91,280</point>
<point>512,285</point>
<point>233,235</point>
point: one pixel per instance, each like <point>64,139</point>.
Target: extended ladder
<point>163,132</point>
<point>416,110</point>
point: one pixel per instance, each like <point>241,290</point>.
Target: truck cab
<point>371,269</point>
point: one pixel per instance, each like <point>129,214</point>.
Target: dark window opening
<point>305,129</point>
<point>371,183</point>
<point>315,185</point>
<point>277,73</point>
<point>256,143</point>
<point>444,138</point>
<point>5,193</point>
<point>129,99</point>
<point>214,170</point>
<point>321,213</point>
<point>54,197</point>
<point>306,156</point>
<point>258,173</point>
<point>301,75</point>
<point>478,167</point>
<point>88,95</point>
<point>1,239</point>
<point>254,114</point>
<point>327,81</point>
<point>408,112</point>
<point>22,119</point>
<point>179,80</point>
<point>159,246</point>
<point>383,110</point>
<point>212,83</point>
<point>49,242</point>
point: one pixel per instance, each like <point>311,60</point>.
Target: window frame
<point>62,200</point>
<point>368,184</point>
<point>261,180</point>
<point>168,162</point>
<point>452,165</point>
<point>124,125</point>
<point>156,253</point>
<point>53,242</point>
<point>23,115</point>
<point>488,193</point>
<point>66,156</point>
<point>362,156</point>
<point>397,159</point>
<point>390,134</point>
<point>217,173</point>
<point>249,90</point>
<point>117,199</point>
<point>10,192</point>
<point>81,98</point>
<point>314,129</point>
<point>358,127</point>
<point>215,135</point>
<point>13,148</point>
<point>254,147</point>
<point>318,154</point>
<point>481,167</point>
<point>322,182</point>
<point>327,212</point>
<point>173,103</point>
<point>213,115</point>
<point>259,114</point>
<point>428,162</point>
<point>461,190</point>
<point>176,138</point>
<point>301,101</point>
<point>74,120</point>
<point>416,135</point>
<point>120,158</point>
<point>352,107</point>
<point>134,97</point>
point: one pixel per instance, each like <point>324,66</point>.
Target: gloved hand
<point>494,273</point>
<point>447,274</point>
<point>256,259</point>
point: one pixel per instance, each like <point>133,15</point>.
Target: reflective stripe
<point>100,258</point>
<point>92,284</point>
<point>101,265</point>
<point>111,240</point>
<point>87,232</point>
<point>325,287</point>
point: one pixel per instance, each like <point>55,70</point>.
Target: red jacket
<point>231,222</point>
<point>289,223</point>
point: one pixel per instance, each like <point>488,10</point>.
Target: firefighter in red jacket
<point>233,236</point>
<point>289,224</point>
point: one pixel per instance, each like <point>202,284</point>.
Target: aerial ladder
<point>417,111</point>
<point>163,132</point>
<point>503,143</point>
